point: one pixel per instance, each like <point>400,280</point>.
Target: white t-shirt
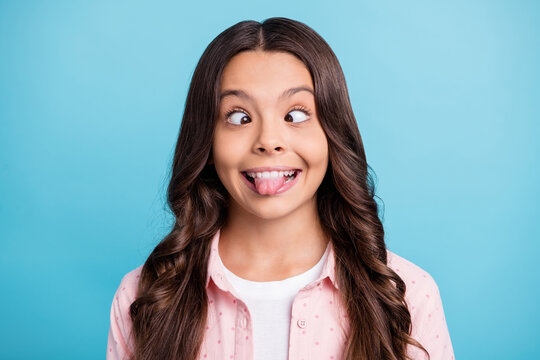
<point>270,304</point>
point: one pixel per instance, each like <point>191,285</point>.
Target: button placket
<point>243,334</point>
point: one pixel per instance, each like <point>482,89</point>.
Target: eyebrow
<point>287,93</point>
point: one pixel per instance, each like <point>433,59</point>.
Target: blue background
<point>446,95</point>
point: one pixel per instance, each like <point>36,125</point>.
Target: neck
<point>272,249</point>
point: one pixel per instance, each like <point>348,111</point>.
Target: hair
<point>169,314</point>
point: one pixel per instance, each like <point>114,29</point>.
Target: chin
<point>270,213</point>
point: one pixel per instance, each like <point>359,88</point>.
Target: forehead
<point>265,72</point>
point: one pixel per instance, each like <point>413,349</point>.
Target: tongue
<point>269,186</point>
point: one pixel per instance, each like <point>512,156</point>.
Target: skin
<point>269,237</point>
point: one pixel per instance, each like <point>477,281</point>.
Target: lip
<point>270,168</point>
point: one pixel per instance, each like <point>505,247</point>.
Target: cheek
<point>315,149</point>
<point>226,152</point>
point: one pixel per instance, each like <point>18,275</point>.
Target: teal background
<point>446,96</point>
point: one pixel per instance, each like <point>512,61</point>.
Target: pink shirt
<point>318,325</point>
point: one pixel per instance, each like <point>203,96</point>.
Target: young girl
<point>277,251</point>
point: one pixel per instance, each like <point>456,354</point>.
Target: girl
<point>277,251</point>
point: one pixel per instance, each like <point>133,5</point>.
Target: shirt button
<point>302,323</point>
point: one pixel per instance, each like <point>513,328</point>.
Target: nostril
<point>269,147</point>
<point>261,149</point>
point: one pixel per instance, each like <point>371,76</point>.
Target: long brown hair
<point>169,314</point>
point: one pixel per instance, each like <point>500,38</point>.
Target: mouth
<point>288,174</point>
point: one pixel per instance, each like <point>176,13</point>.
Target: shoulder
<point>127,290</point>
<point>416,278</point>
<point>120,343</point>
<point>421,294</point>
<point>131,279</point>
<point>125,296</point>
<point>425,306</point>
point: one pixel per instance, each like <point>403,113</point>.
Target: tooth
<point>271,174</point>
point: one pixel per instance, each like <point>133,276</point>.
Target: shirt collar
<point>216,273</point>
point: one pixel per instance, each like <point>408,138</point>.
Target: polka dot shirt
<point>318,326</point>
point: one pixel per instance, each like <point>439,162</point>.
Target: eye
<point>297,115</point>
<point>237,117</point>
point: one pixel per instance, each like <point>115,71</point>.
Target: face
<point>269,149</point>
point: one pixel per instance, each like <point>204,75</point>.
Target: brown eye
<point>296,116</point>
<point>238,118</point>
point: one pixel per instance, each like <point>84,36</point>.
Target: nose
<point>270,138</point>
